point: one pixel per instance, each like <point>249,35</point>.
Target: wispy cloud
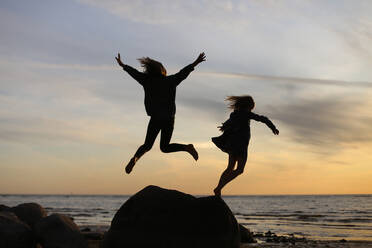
<point>21,62</point>
<point>293,80</point>
<point>327,124</point>
<point>162,12</point>
<point>54,132</point>
<point>306,63</point>
<point>317,122</point>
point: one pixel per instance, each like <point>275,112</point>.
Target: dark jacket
<point>237,132</point>
<point>160,91</point>
<point>239,123</point>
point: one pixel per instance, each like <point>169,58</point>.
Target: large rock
<point>13,232</point>
<point>156,217</point>
<point>60,231</point>
<point>29,213</point>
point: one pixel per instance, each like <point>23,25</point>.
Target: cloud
<point>214,108</point>
<point>307,63</point>
<point>326,124</point>
<point>162,12</point>
<point>56,103</point>
<point>21,62</point>
<point>319,122</point>
<point>293,80</point>
<point>358,37</point>
<point>113,68</point>
<point>33,130</point>
<point>258,37</point>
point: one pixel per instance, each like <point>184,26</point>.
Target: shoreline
<point>262,236</point>
<point>315,217</point>
<point>94,235</point>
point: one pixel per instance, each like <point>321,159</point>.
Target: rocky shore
<point>261,241</point>
<point>154,217</point>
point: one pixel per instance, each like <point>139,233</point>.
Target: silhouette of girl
<point>160,95</point>
<point>236,136</point>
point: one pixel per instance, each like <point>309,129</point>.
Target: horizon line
<point>202,195</point>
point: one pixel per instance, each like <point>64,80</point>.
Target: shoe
<point>193,152</point>
<point>217,193</point>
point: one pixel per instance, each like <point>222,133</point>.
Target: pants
<point>154,127</point>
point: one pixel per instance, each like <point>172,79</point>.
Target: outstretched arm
<point>199,59</point>
<point>138,76</point>
<point>265,120</point>
<point>119,60</point>
<point>182,74</point>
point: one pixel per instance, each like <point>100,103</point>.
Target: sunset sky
<point>70,118</point>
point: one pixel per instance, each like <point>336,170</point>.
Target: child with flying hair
<point>160,104</point>
<point>236,136</point>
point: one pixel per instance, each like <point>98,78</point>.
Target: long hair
<point>152,67</point>
<point>240,102</point>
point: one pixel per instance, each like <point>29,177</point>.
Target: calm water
<point>312,216</point>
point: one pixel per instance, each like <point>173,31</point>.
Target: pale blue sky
<point>67,108</point>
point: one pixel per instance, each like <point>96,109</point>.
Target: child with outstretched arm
<point>236,136</point>
<point>160,105</point>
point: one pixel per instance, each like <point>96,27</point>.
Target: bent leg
<point>167,147</point>
<point>241,165</point>
<point>152,131</point>
<point>226,175</point>
<point>230,174</point>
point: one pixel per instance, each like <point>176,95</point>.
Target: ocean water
<point>322,217</point>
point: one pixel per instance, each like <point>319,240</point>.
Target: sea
<point>318,217</point>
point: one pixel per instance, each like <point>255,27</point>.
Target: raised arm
<point>199,59</point>
<point>138,76</point>
<point>265,120</point>
<point>182,74</point>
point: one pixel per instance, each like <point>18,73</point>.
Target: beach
<point>318,217</point>
<point>276,221</point>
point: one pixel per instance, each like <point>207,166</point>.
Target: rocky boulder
<point>156,217</point>
<point>13,232</point>
<point>60,231</point>
<point>29,213</point>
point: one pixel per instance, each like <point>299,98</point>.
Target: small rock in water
<point>269,233</point>
<point>258,235</point>
<point>343,240</point>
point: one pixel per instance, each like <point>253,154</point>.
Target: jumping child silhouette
<point>236,136</point>
<point>160,95</point>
